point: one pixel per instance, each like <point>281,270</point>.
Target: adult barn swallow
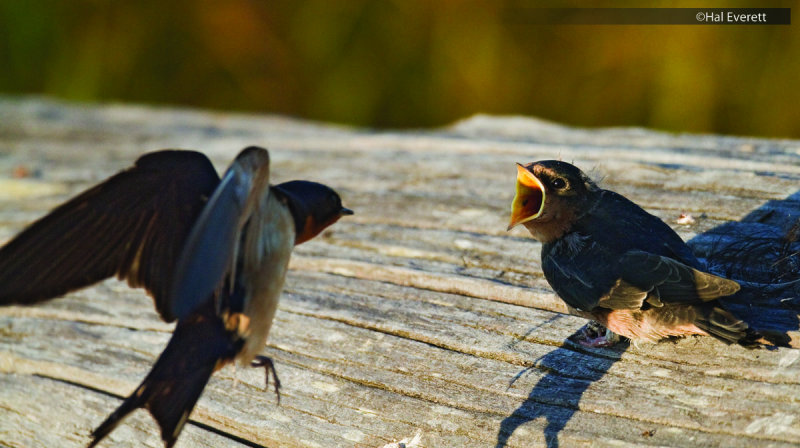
<point>212,252</point>
<point>617,264</point>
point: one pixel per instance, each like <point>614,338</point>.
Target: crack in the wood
<point>419,338</point>
<point>70,316</point>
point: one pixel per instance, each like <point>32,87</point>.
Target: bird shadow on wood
<point>556,396</point>
<point>762,251</point>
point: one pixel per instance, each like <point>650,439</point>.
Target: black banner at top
<point>650,16</point>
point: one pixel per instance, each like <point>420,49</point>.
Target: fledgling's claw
<point>595,335</point>
<point>269,366</point>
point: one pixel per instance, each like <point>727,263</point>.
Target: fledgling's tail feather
<point>723,325</point>
<point>172,388</point>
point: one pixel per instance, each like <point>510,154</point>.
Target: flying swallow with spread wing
<point>615,263</point>
<point>212,252</point>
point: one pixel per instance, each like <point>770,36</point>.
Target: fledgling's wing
<point>660,280</point>
<point>579,281</point>
<point>674,281</point>
<point>211,251</point>
<point>132,225</point>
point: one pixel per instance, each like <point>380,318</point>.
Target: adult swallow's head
<point>314,207</point>
<point>549,196</point>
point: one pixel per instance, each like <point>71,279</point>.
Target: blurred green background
<point>406,63</point>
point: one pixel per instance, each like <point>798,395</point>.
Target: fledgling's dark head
<point>547,191</point>
<point>314,207</point>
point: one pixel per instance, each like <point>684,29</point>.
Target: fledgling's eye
<point>559,183</point>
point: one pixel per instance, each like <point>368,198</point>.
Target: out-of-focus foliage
<point>406,63</point>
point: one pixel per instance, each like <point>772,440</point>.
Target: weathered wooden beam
<point>418,314</point>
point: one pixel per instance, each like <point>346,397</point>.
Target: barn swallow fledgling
<point>617,264</point>
<point>212,252</point>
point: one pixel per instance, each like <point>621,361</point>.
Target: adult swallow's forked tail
<point>212,252</point>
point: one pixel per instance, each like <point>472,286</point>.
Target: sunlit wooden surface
<point>418,315</point>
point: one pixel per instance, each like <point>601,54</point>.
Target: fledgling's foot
<point>266,363</point>
<point>595,335</point>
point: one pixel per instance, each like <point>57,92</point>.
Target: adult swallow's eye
<point>559,183</point>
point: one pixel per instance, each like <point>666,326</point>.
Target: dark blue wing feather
<point>617,226</point>
<point>133,225</point>
<point>210,252</point>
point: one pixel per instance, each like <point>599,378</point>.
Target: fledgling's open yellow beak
<point>529,201</point>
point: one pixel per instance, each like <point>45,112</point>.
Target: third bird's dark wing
<point>132,225</point>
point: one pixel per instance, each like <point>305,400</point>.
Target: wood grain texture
<point>418,314</point>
